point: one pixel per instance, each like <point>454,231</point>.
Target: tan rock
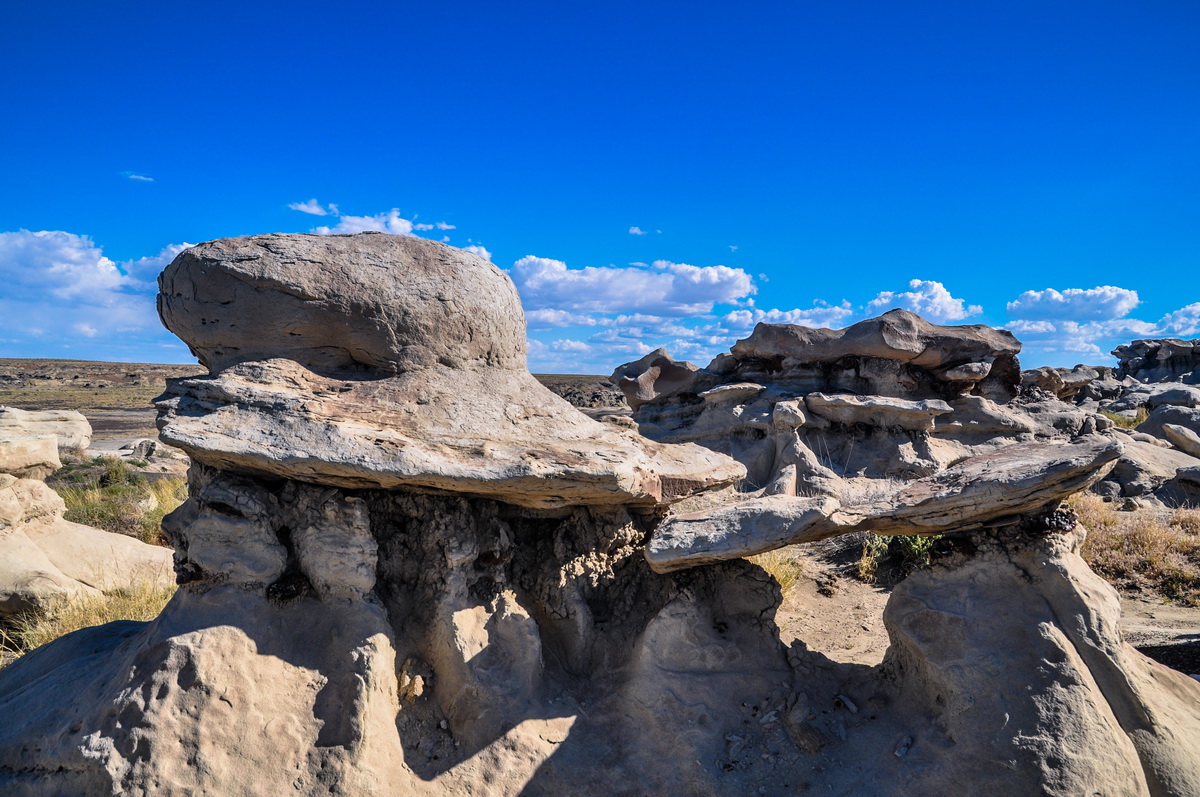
<point>69,428</point>
<point>29,457</point>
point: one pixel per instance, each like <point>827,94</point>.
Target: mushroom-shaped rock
<point>388,361</point>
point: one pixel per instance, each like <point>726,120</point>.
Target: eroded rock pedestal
<point>406,569</point>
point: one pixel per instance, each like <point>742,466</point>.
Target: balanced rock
<point>335,371</point>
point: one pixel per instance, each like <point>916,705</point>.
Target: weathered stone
<point>896,335</point>
<point>70,429</point>
<point>1183,438</point>
<point>1009,482</point>
<point>381,361</point>
<point>877,411</point>
<point>1186,417</point>
<point>655,376</point>
<point>29,457</point>
<point>1160,360</point>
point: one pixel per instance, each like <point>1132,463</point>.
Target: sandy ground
<point>841,617</point>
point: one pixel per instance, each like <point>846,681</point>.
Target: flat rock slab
<point>1012,481</point>
<point>524,446</point>
<point>877,411</point>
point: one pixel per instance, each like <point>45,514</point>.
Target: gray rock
<point>383,361</point>
<point>1010,482</point>
<point>1160,360</point>
<point>657,375</point>
<point>1186,417</point>
<point>1183,438</point>
<point>877,411</point>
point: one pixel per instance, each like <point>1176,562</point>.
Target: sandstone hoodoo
<point>407,568</point>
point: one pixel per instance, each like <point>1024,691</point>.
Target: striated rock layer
<point>405,570</point>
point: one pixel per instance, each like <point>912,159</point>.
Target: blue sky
<point>650,174</point>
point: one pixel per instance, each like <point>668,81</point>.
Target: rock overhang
<point>390,362</point>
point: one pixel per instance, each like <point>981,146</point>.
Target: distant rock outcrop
<point>1160,360</point>
<point>44,558</point>
<point>407,568</point>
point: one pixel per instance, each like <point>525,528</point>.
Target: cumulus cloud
<point>312,207</point>
<point>62,264</point>
<point>1184,322</point>
<point>638,231</point>
<point>479,250</point>
<point>78,293</point>
<point>823,315</point>
<point>1077,304</point>
<point>390,222</point>
<point>926,298</point>
<point>550,318</point>
<point>664,288</point>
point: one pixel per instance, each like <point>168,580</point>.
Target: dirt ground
<point>835,613</point>
<point>828,608</point>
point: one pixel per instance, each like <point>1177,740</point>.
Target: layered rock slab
<point>993,487</point>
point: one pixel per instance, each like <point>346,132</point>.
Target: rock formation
<point>406,568</point>
<point>1161,360</point>
<point>70,429</point>
<point>44,558</point>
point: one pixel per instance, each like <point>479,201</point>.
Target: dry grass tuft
<point>1145,550</point>
<point>1127,423</point>
<point>107,494</point>
<point>785,566</point>
<point>142,601</point>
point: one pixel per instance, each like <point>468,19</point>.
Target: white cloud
<point>926,298</point>
<point>1183,322</point>
<point>312,207</point>
<point>549,318</point>
<point>60,289</point>
<point>567,344</point>
<point>1030,327</point>
<point>638,231</point>
<point>1078,304</point>
<point>139,177</point>
<point>823,315</point>
<point>148,268</point>
<point>441,225</point>
<point>666,288</point>
<point>390,222</point>
<point>479,250</point>
<point>62,264</point>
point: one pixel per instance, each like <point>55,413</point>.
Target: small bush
<point>893,558</point>
<point>1127,423</point>
<point>142,601</point>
